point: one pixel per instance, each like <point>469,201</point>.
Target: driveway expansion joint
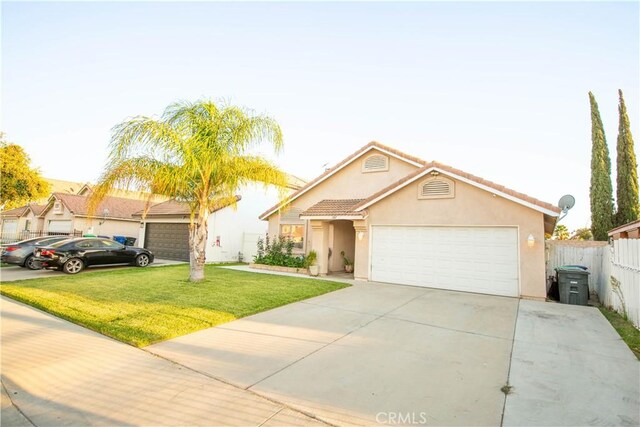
<point>4,389</point>
<point>508,384</point>
<point>269,335</point>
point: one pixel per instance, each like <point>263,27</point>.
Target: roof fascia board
<point>373,147</point>
<point>332,217</point>
<point>389,153</point>
<point>107,218</point>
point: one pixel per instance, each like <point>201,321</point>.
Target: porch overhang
<point>335,217</point>
<point>334,209</point>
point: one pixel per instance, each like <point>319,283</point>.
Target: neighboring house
<point>630,230</point>
<point>233,231</point>
<point>69,213</point>
<point>407,221</point>
<point>66,212</point>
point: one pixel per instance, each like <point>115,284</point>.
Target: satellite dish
<point>566,202</point>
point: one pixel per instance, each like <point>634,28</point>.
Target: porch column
<point>320,244</point>
<point>361,257</point>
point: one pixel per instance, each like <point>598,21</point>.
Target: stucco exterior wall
<point>50,215</point>
<point>348,183</point>
<point>470,206</point>
<point>110,227</point>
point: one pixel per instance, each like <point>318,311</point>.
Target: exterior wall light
<point>531,240</point>
<point>360,235</point>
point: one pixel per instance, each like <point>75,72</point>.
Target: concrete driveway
<point>388,354</point>
<point>367,354</point>
<point>371,354</point>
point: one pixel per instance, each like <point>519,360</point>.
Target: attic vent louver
<point>436,188</point>
<point>375,163</point>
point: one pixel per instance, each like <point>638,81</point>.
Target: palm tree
<point>197,153</point>
<point>561,232</point>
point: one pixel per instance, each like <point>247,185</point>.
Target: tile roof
<point>470,177</point>
<point>174,207</point>
<point>625,227</point>
<point>15,212</point>
<point>333,208</point>
<point>325,174</point>
<point>37,209</point>
<point>118,207</point>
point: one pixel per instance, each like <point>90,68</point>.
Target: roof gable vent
<point>57,207</point>
<point>375,163</point>
<point>436,188</point>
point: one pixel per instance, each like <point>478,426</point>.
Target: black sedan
<point>73,255</point>
<point>21,253</point>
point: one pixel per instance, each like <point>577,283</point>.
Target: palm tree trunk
<point>198,232</point>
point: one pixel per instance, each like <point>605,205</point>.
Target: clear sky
<point>497,89</point>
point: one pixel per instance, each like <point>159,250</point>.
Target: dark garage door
<point>168,241</point>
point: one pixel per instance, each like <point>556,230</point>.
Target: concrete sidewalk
<point>58,373</point>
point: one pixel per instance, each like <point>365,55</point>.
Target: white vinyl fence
<point>614,268</point>
<point>622,290</point>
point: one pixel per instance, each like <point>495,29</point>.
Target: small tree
<point>20,183</point>
<point>627,170</point>
<point>582,234</point>
<point>561,232</point>
<point>601,190</point>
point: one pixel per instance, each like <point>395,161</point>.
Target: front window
<point>295,233</point>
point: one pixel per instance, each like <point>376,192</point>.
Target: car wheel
<point>30,264</point>
<point>142,260</point>
<point>73,266</point>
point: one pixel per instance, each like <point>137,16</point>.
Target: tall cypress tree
<point>601,190</point>
<point>627,179</point>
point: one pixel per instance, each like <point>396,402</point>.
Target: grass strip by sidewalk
<point>625,329</point>
<point>141,306</point>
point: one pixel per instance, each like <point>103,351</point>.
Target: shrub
<point>310,259</point>
<point>278,251</point>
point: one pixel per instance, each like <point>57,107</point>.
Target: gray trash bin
<point>573,285</point>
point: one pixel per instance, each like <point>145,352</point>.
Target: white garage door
<point>59,226</point>
<point>471,259</point>
<point>9,226</point>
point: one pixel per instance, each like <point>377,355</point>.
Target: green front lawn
<point>141,306</point>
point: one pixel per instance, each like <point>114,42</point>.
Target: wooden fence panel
<point>571,252</point>
<point>614,268</point>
